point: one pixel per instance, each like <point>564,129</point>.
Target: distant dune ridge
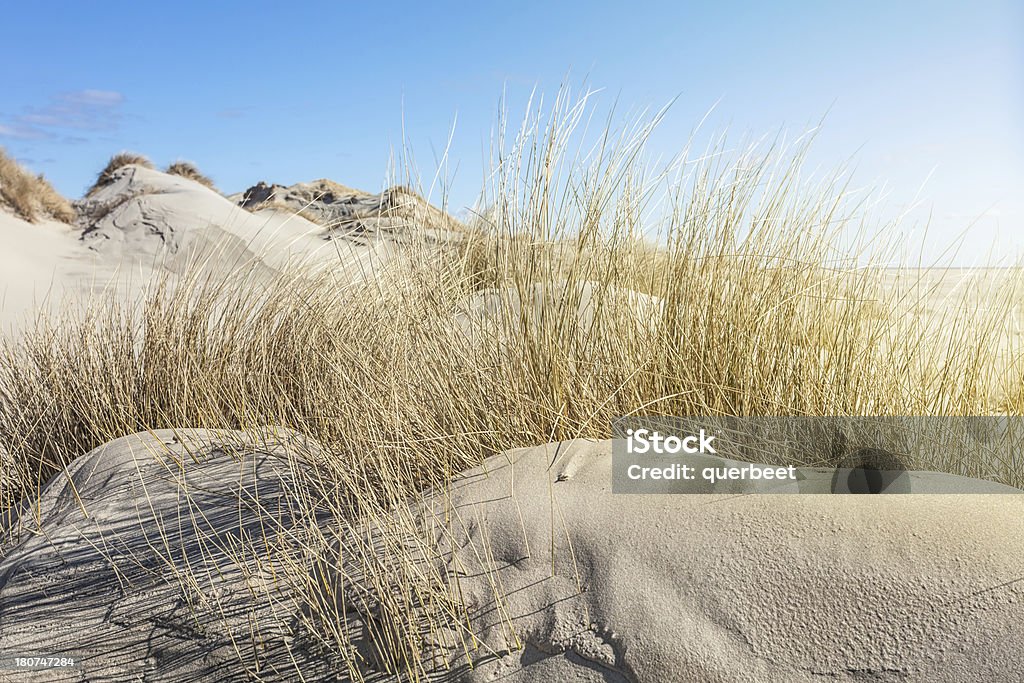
<point>137,222</point>
<point>344,209</point>
<point>116,163</point>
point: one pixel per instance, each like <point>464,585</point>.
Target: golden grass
<point>119,160</point>
<point>31,196</point>
<point>755,308</point>
<point>187,169</point>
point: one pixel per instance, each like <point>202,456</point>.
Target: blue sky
<point>270,91</point>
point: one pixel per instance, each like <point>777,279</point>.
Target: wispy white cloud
<point>107,98</point>
<point>81,110</point>
<point>23,132</point>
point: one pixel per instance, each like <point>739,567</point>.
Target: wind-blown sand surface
<point>731,587</point>
<point>594,587</point>
<point>124,571</point>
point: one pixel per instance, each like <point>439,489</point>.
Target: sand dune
<point>40,263</point>
<point>491,309</point>
<point>346,211</point>
<point>175,570</point>
<point>147,584</point>
<point>728,587</point>
<point>144,223</point>
<point>144,215</point>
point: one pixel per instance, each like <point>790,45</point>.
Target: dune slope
<point>161,555</point>
<point>142,224</point>
<point>727,587</point>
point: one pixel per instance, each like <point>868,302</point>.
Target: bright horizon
<point>924,98</point>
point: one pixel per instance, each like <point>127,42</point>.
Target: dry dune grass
<point>302,199</point>
<point>31,196</point>
<point>119,160</point>
<point>757,317</point>
<point>406,204</point>
<point>187,169</point>
<point>322,189</point>
<point>328,189</point>
<point>337,206</point>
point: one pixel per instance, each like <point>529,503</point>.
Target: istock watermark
<point>652,441</point>
<point>837,455</point>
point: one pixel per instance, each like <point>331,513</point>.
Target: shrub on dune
<point>31,196</point>
<point>187,169</point>
<point>118,161</point>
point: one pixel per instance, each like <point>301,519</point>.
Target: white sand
<point>730,587</point>
<point>179,222</point>
<point>597,587</point>
<point>41,264</point>
<point>149,585</point>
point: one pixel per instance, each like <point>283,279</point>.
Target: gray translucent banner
<point>874,455</point>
